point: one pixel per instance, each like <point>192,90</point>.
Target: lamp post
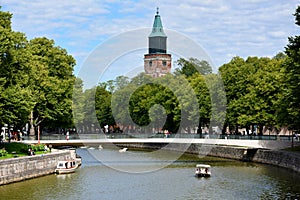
<point>293,139</point>
<point>38,134</point>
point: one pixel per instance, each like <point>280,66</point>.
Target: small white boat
<point>66,167</point>
<point>202,170</point>
<point>123,150</point>
<point>100,147</point>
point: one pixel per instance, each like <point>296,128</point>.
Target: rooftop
<point>157,29</point>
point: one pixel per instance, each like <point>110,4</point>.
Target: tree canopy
<point>37,79</point>
<point>37,82</point>
<point>192,66</point>
<point>290,109</point>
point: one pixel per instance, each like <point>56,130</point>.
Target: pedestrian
<point>166,132</point>
<point>106,129</point>
<point>67,135</point>
<point>31,152</point>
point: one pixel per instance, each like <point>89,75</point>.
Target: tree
<point>262,96</point>
<point>53,86</point>
<point>78,104</point>
<point>192,66</point>
<point>198,83</point>
<point>217,100</point>
<point>103,106</point>
<point>15,59</point>
<point>37,79</point>
<point>90,120</point>
<point>253,88</point>
<point>121,82</point>
<point>5,20</point>
<point>290,112</point>
<point>234,75</point>
<point>120,106</point>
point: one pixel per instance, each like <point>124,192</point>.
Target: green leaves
<point>192,66</point>
<point>38,78</point>
<point>290,99</point>
<point>52,84</point>
<point>16,97</point>
<point>169,102</point>
<point>253,87</point>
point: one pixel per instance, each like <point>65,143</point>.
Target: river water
<point>105,179</point>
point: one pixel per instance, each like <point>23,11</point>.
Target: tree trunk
<point>38,130</point>
<point>236,131</point>
<point>31,129</point>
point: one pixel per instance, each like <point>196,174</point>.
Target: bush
<point>14,147</point>
<point>36,148</point>
<point>3,152</point>
<point>19,148</point>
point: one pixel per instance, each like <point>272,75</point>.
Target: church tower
<point>157,62</point>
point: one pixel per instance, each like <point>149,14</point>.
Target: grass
<point>17,149</point>
<point>294,149</point>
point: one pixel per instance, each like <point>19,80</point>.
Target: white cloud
<point>222,27</point>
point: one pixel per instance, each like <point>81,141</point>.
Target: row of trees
<point>245,92</point>
<point>256,91</point>
<point>38,85</point>
<point>144,104</point>
<point>265,91</point>
<point>36,80</point>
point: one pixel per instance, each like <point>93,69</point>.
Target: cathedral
<point>157,62</point>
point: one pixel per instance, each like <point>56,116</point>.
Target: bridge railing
<point>160,135</point>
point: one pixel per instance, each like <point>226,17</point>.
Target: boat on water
<point>67,166</point>
<point>122,150</point>
<point>203,170</point>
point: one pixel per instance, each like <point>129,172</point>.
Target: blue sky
<point>223,28</point>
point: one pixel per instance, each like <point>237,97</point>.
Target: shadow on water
<point>93,180</point>
<point>90,157</point>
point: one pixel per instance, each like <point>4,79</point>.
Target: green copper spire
<point>157,29</point>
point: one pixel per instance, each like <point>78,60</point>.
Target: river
<point>106,179</point>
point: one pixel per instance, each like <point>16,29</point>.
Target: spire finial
<point>157,10</point>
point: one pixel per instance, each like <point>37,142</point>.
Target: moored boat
<point>203,170</point>
<point>66,166</point>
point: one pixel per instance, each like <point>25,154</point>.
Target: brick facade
<point>157,65</point>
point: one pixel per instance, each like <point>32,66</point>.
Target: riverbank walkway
<point>265,144</point>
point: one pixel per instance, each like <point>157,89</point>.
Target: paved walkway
<point>267,144</point>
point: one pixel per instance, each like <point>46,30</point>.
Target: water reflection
<point>94,180</point>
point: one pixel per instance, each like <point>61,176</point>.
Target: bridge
<point>266,144</point>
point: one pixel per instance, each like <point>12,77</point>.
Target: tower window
<point>150,63</point>
<point>164,63</point>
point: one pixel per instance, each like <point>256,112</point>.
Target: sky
<point>221,28</point>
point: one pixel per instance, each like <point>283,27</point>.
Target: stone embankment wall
<point>18,169</point>
<point>279,158</point>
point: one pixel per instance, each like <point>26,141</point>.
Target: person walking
<point>67,135</point>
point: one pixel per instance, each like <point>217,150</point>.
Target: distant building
<point>157,62</point>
